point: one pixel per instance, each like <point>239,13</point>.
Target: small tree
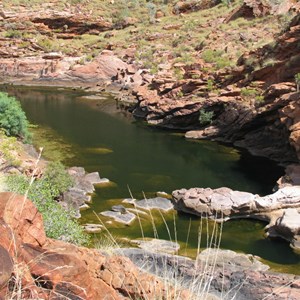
<point>12,118</point>
<point>297,80</point>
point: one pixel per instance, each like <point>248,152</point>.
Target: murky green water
<point>95,134</point>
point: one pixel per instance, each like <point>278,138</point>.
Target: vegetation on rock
<point>58,222</point>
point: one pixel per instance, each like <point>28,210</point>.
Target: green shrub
<point>12,33</point>
<point>217,58</point>
<point>57,176</point>
<point>151,11</point>
<point>249,93</point>
<point>12,118</point>
<point>58,223</point>
<point>210,84</point>
<point>205,117</point>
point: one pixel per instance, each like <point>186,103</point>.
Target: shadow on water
<point>102,138</point>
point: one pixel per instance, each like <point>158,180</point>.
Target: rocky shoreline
<point>39,267</point>
<point>254,105</point>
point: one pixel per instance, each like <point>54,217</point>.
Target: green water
<point>95,134</point>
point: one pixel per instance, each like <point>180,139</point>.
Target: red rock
<point>103,67</point>
<point>23,217</point>
<point>6,267</point>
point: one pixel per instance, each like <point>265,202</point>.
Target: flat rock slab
<point>230,260</point>
<point>155,203</point>
<point>126,218</point>
<point>157,245</point>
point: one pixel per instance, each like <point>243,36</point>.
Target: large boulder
<point>105,66</point>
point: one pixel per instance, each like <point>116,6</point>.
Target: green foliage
<point>58,177</point>
<point>259,99</point>
<point>178,73</point>
<point>151,11</point>
<point>12,118</point>
<point>59,223</point>
<point>210,84</point>
<point>205,117</point>
<point>8,150</point>
<point>226,2</point>
<point>12,33</point>
<point>249,93</point>
<point>216,57</point>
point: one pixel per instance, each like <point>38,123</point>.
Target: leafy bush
<point>12,117</point>
<point>205,117</point>
<point>249,93</point>
<point>58,223</point>
<point>216,57</point>
<point>12,33</point>
<point>58,177</point>
<point>151,11</point>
